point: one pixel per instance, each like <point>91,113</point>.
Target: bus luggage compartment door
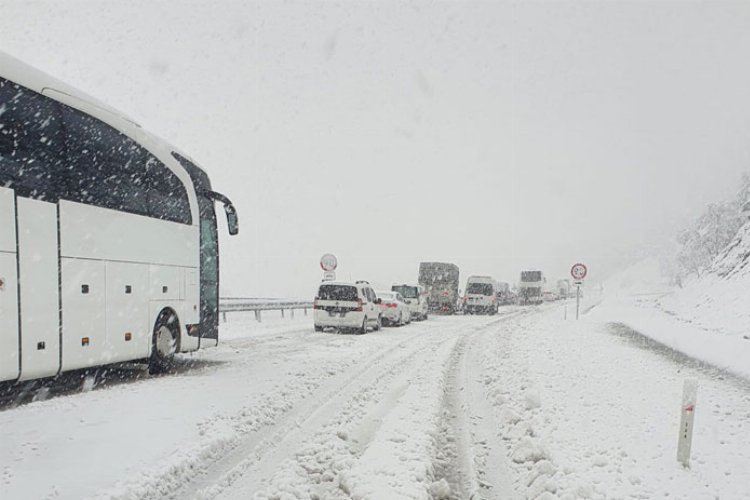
<point>39,288</point>
<point>9,344</point>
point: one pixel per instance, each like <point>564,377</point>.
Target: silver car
<point>393,309</point>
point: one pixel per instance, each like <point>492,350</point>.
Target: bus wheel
<point>163,342</point>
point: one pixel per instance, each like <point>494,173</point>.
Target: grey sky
<point>495,135</point>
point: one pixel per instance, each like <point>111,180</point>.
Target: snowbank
<point>706,319</point>
<point>717,301</point>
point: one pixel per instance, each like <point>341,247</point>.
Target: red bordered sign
<point>328,262</point>
<point>578,271</point>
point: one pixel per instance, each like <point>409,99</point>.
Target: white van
<point>481,295</point>
<point>351,306</point>
<point>416,297</point>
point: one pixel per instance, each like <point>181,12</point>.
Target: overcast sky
<point>495,135</point>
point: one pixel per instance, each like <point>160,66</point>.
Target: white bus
<point>108,238</point>
<point>530,287</point>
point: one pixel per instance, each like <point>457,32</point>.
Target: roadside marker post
<point>685,438</point>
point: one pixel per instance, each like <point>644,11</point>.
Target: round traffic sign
<point>328,262</point>
<point>578,271</point>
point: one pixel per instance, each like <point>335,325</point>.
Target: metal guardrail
<point>257,305</point>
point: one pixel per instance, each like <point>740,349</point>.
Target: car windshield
<point>409,292</point>
<point>338,292</point>
<point>479,289</point>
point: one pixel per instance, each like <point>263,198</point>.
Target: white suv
<point>416,297</point>
<point>347,306</point>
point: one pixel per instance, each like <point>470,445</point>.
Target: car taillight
<point>315,304</point>
<point>391,306</point>
<point>359,305</point>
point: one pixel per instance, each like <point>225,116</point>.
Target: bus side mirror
<point>232,221</point>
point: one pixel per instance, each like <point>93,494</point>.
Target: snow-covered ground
<point>707,318</point>
<point>525,404</point>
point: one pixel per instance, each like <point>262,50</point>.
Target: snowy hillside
<point>706,319</point>
<point>718,300</point>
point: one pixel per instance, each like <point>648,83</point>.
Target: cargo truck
<point>440,280</point>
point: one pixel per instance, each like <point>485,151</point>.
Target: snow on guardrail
<point>237,304</point>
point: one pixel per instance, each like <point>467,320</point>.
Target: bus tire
<point>164,342</point>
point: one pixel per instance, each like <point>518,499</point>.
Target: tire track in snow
<point>326,442</point>
<point>400,462</point>
<point>472,459</point>
<point>259,452</point>
<point>224,440</point>
<point>317,465</point>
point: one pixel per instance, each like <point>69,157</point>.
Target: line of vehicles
<point>109,248</point>
<point>358,307</point>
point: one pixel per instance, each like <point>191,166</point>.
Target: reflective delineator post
<point>685,439</point>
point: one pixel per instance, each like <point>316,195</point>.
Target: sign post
<point>685,439</point>
<point>329,263</point>
<point>578,272</point>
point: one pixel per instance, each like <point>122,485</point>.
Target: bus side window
<point>167,198</point>
<point>31,143</point>
<point>107,168</point>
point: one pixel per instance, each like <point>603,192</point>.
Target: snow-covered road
<point>520,405</point>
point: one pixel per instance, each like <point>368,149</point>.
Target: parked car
<point>549,296</point>
<point>347,306</point>
<point>481,295</point>
<point>416,297</point>
<point>393,309</point>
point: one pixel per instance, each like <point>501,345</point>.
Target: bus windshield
<point>531,276</point>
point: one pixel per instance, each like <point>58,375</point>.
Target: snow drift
<point>717,300</point>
